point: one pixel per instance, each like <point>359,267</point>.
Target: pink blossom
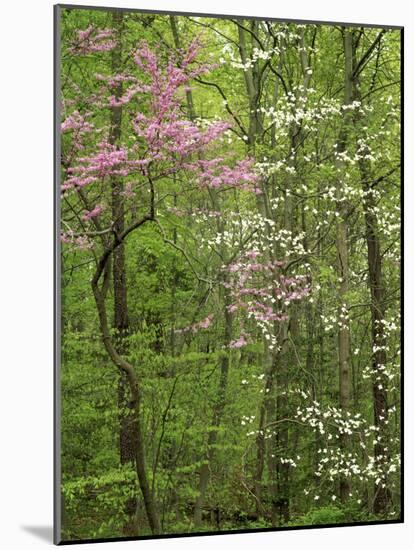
<point>203,324</point>
<point>76,121</point>
<point>238,343</point>
<point>93,213</point>
<point>74,181</point>
<point>82,241</point>
<point>216,174</point>
<point>176,211</point>
<point>232,268</point>
<point>108,161</point>
<point>66,238</point>
<point>93,40</point>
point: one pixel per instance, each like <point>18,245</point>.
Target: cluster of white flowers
<point>338,319</point>
<point>358,462</point>
<point>289,461</point>
<point>285,35</point>
<point>247,420</point>
<point>239,228</point>
<point>334,461</point>
<point>343,320</point>
<point>389,221</point>
<point>268,168</point>
<point>329,322</point>
<point>230,56</point>
<point>383,375</point>
<point>204,123</point>
<point>267,328</point>
<point>300,107</point>
<point>259,230</point>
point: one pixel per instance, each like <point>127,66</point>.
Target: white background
<point>26,259</point>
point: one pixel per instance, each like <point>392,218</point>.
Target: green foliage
<point>326,515</point>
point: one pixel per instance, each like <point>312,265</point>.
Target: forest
<point>230,273</point>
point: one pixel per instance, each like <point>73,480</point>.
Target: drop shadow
<point>43,532</point>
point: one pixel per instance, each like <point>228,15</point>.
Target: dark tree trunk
<point>218,411</point>
<point>220,402</point>
<point>343,264</point>
<point>382,495</point>
<point>121,319</point>
<point>133,383</point>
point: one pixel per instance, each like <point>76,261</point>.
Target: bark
<point>274,405</point>
<point>219,407</point>
<point>127,452</point>
<point>121,320</point>
<point>343,264</point>
<point>220,403</point>
<point>289,331</point>
<point>252,82</point>
<point>252,90</point>
<point>272,408</point>
<point>99,292</point>
<point>135,398</point>
<point>177,44</point>
<point>382,497</point>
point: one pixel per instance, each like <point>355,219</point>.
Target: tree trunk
<point>252,82</point>
<point>220,403</point>
<point>177,44</point>
<point>382,498</point>
<point>343,266</point>
<point>121,318</point>
<point>217,415</point>
<point>133,382</point>
<point>379,384</point>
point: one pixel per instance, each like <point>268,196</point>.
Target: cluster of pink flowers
<point>124,99</point>
<point>76,121</point>
<point>176,211</point>
<point>240,342</point>
<point>164,84</point>
<point>175,136</point>
<point>93,40</point>
<point>215,174</point>
<point>263,312</point>
<point>261,290</point>
<point>108,161</point>
<point>171,141</point>
<point>165,141</point>
<point>294,288</point>
<point>203,324</point>
<point>81,241</point>
<point>94,213</point>
<point>113,81</point>
<point>169,137</point>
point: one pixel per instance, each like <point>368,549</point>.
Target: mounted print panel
<point>228,275</point>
